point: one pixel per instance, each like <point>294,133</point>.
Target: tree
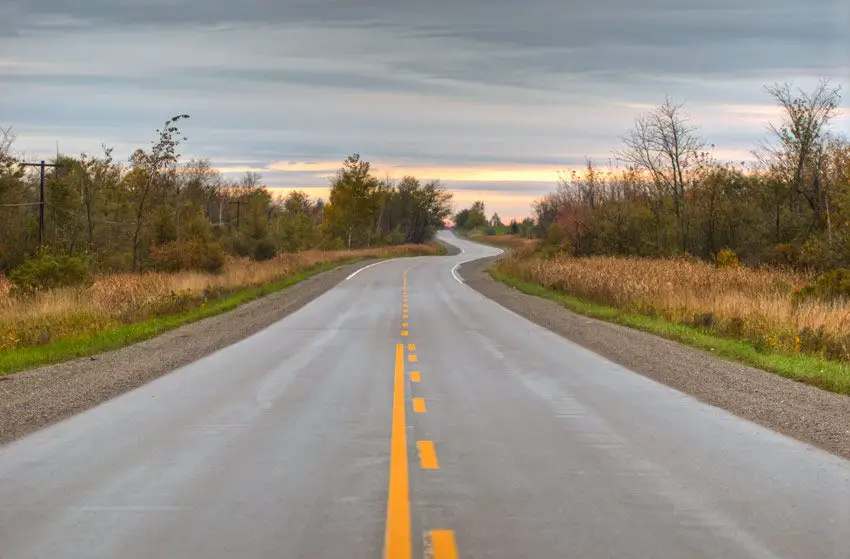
<point>430,206</point>
<point>801,141</point>
<point>496,221</point>
<point>7,138</point>
<point>471,218</point>
<point>665,145</point>
<point>461,219</point>
<point>152,166</point>
<point>352,202</point>
<point>477,217</point>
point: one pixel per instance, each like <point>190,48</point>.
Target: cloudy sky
<point>492,96</point>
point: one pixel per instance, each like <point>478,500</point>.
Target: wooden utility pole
<point>41,165</point>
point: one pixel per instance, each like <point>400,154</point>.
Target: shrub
<point>194,254</point>
<point>395,237</point>
<point>555,243</point>
<point>242,246</point>
<point>786,254</point>
<point>727,258</point>
<point>264,249</point>
<point>831,286</point>
<point>50,271</point>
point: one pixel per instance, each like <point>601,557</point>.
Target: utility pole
<point>41,165</point>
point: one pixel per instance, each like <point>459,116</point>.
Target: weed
<point>756,305</point>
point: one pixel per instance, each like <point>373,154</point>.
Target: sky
<point>493,97</point>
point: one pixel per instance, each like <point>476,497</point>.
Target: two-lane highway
<point>399,414</point>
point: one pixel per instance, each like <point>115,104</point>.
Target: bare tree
<point>162,157</point>
<point>802,138</point>
<point>7,138</point>
<point>664,144</point>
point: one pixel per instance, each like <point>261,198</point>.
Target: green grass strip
<point>126,334</point>
<point>827,374</point>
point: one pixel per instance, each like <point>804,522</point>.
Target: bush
<point>264,249</point>
<point>242,246</point>
<point>194,254</point>
<point>786,254</point>
<point>49,271</point>
<point>727,258</point>
<point>395,237</point>
<point>555,242</point>
<point>831,286</point>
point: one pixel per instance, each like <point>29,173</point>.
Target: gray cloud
<point>440,83</point>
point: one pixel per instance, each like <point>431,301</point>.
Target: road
<point>476,434</point>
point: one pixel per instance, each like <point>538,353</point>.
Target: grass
<point>119,310</point>
<point>501,241</point>
<point>829,374</point>
<point>504,241</point>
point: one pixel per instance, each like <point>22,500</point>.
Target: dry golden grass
<point>739,302</point>
<point>125,298</point>
<point>507,241</point>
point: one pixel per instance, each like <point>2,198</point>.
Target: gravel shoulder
<point>804,412</point>
<point>33,399</point>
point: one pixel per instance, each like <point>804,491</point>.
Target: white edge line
<point>457,277</point>
<point>454,272</point>
<point>363,268</point>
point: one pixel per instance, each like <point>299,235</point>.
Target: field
<point>504,241</point>
<point>754,306</point>
<point>125,299</point>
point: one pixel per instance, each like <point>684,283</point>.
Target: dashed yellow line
<point>415,376</point>
<point>411,347</point>
<point>404,332</point>
<point>412,358</point>
<point>427,455</point>
<point>441,544</point>
<point>419,405</point>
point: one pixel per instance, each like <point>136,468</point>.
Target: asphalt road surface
<point>476,434</point>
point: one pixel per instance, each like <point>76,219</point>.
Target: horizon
<point>494,100</point>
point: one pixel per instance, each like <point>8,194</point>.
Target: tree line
<point>155,211</point>
<point>474,218</point>
<point>664,194</point>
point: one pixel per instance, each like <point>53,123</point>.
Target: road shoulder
<point>804,412</point>
<point>31,400</point>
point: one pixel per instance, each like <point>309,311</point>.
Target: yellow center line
<point>415,376</point>
<point>427,455</point>
<point>419,405</point>
<point>404,332</point>
<point>404,324</point>
<point>442,545</point>
<point>412,358</point>
<point>411,347</point>
<point>397,542</point>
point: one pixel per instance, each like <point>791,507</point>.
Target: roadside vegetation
<point>749,260</point>
<point>117,309</point>
<point>748,315</point>
<point>115,252</point>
